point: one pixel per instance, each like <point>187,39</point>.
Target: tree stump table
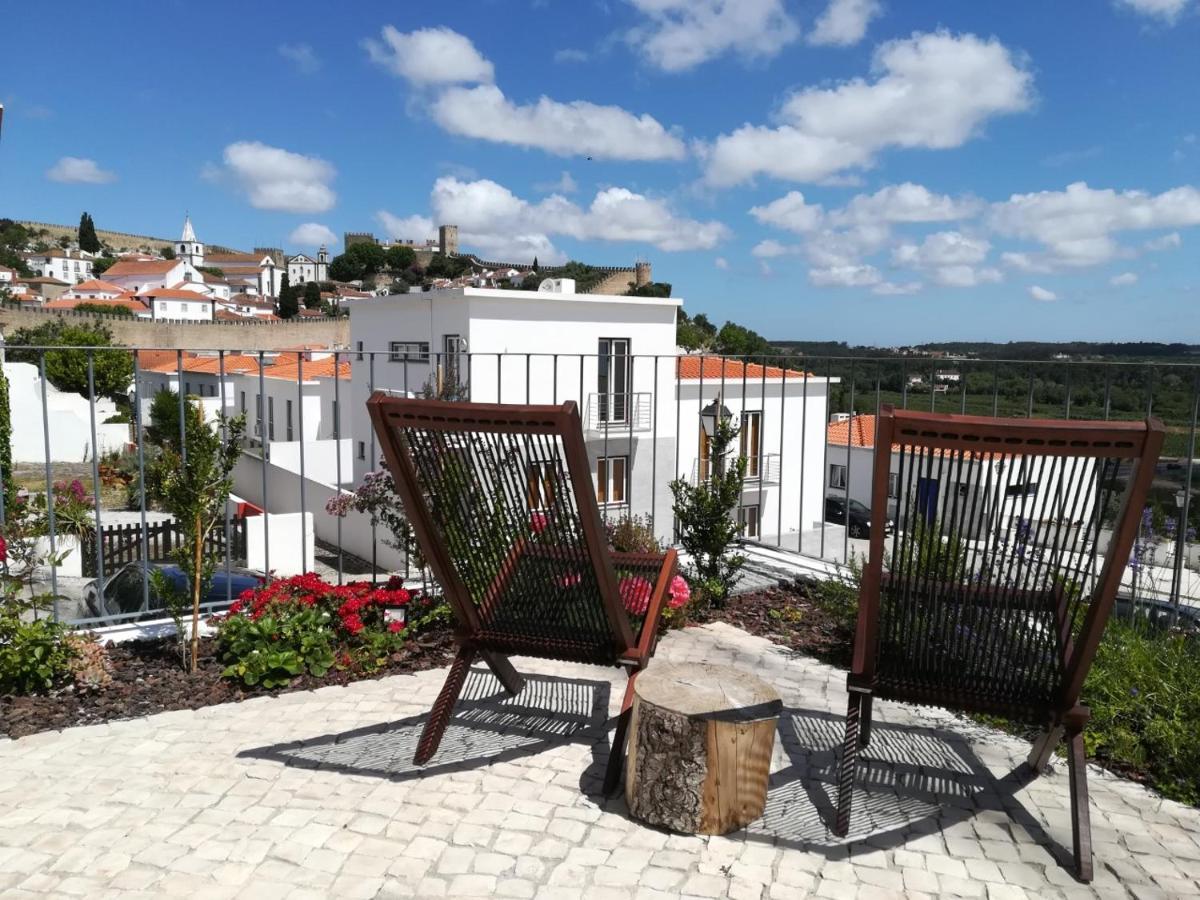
<point>700,745</point>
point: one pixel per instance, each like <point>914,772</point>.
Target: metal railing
<point>784,493</point>
<point>619,412</point>
<point>764,468</point>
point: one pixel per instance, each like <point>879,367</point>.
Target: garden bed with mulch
<point>147,679</point>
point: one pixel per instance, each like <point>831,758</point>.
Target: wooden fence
<point>122,544</point>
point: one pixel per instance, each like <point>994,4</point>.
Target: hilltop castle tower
<point>188,247</point>
<point>448,240</point>
<point>641,274</point>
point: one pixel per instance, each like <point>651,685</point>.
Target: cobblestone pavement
<point>314,795</point>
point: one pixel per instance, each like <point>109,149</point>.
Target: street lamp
<point>708,421</point>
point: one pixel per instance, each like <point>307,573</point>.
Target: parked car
<point>859,525</point>
<point>1160,613</point>
<point>123,591</point>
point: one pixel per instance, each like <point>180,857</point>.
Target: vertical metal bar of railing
<point>304,562</point>
<point>1107,391</point>
<point>95,470</point>
<point>849,442</point>
<point>1150,373</point>
<point>825,445</point>
<point>630,412</point>
<point>372,462</point>
<point>804,373</point>
<point>678,430</point>
<point>782,420</point>
<point>605,398</point>
<point>337,457</point>
<point>139,435</point>
<point>265,458</point>
<point>996,390</point>
<point>962,390</point>
<point>50,523</point>
<point>653,447</point>
<point>762,474</point>
<point>1185,507</point>
<point>182,397</point>
<point>228,514</point>
<point>554,383</point>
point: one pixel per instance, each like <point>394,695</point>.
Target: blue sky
<point>860,170</point>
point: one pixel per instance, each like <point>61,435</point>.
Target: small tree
<point>167,252</point>
<point>195,487</point>
<point>312,295</point>
<point>67,370</point>
<point>163,427</point>
<point>6,469</point>
<point>706,511</point>
<point>400,257</point>
<point>87,234</point>
<point>288,303</point>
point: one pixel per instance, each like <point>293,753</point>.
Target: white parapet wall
<point>288,537</point>
<point>68,416</point>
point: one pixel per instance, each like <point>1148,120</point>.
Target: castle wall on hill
<point>236,336</point>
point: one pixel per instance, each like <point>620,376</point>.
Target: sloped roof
<point>859,430</point>
<point>172,294</point>
<point>96,284</point>
<point>74,302</point>
<point>141,267</point>
<point>287,368</point>
<point>717,367</point>
<point>235,363</point>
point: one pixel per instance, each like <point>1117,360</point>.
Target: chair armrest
<point>668,566</point>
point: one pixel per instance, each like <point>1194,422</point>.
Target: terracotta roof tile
<point>96,284</point>
<point>717,367</point>
<point>141,267</point>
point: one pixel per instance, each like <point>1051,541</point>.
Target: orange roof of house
<point>233,258</point>
<point>235,363</point>
<point>73,302</point>
<point>141,267</point>
<point>860,430</point>
<point>286,368</point>
<point>717,367</point>
<point>96,284</point>
<point>172,294</point>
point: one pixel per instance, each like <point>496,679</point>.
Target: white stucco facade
<point>69,417</point>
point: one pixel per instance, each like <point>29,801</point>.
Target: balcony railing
<point>619,412</point>
<point>793,399</point>
<point>760,470</point>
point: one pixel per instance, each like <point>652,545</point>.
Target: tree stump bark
<point>700,746</point>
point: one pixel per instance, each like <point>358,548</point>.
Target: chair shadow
<point>910,780</point>
<point>488,726</point>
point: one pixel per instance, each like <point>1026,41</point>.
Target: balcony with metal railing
<point>763,469</point>
<point>616,413</point>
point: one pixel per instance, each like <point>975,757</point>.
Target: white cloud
<point>1167,10</point>
<point>1166,242</point>
<point>273,178</point>
<point>312,234</point>
<point>565,184</point>
<point>931,91</point>
<point>790,212</point>
<point>845,276</point>
<point>891,289</point>
<point>905,202</point>
<point>721,263</point>
<point>682,34</point>
<point>564,129</point>
<point>1041,294</point>
<point>302,56</point>
<point>844,22</point>
<point>1077,227</point>
<point>943,248</point>
<point>416,228</point>
<point>79,170</point>
<point>498,223</point>
<point>770,248</point>
<point>1124,279</point>
<point>429,56</point>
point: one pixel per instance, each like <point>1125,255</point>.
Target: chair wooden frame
<point>1139,443</point>
<point>389,416</point>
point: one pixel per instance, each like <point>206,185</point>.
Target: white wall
<point>69,417</point>
<point>320,459</point>
<point>291,543</point>
<point>197,310</point>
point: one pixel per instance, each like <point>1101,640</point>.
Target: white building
<point>178,306</point>
<point>616,357</point>
<point>141,276</point>
<point>978,492</point>
<point>69,417</point>
<point>302,268</point>
<point>94,289</point>
<point>71,266</point>
<point>7,275</point>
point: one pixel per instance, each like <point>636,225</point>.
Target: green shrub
<point>633,534</point>
<point>34,655</point>
<point>276,647</point>
<point>1144,693</point>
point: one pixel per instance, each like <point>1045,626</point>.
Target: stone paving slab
<point>312,795</point>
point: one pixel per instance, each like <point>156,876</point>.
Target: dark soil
<point>794,615</point>
<point>147,679</point>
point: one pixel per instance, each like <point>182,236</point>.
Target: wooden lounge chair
<point>995,592</point>
<point>501,501</point>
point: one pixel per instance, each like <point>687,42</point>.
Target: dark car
<point>124,594</point>
<point>1159,613</point>
<point>859,525</point>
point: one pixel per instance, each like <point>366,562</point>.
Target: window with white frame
<point>837,476</point>
<point>409,351</point>
<point>612,480</point>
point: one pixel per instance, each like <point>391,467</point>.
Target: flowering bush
<point>302,624</point>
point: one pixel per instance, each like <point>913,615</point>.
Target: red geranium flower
<point>538,522</point>
<point>679,591</point>
<point>353,624</point>
<point>395,627</point>
<point>3,549</point>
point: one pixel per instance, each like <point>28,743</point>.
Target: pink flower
<point>635,594</point>
<point>538,522</point>
<point>679,591</point>
<point>3,549</point>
